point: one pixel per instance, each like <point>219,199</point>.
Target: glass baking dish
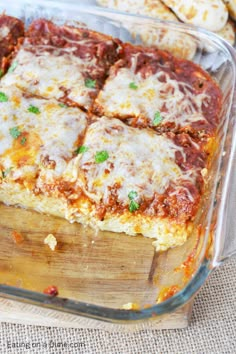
<point>114,277</point>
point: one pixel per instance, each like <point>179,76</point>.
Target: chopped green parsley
<point>14,132</point>
<point>133,86</point>
<point>33,109</point>
<point>132,195</point>
<point>157,119</point>
<point>101,156</point>
<point>81,149</point>
<point>23,140</point>
<point>12,67</point>
<point>6,172</point>
<point>3,97</point>
<point>133,206</point>
<point>90,83</point>
<point>62,105</point>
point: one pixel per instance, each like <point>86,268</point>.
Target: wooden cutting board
<point>104,269</point>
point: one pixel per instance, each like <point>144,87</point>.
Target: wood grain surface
<point>99,268</point>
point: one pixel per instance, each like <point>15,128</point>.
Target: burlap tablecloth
<point>212,329</point>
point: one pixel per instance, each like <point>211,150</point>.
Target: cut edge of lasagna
<point>165,234</point>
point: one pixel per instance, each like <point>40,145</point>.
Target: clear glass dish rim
<point>206,266</point>
<point>105,313</point>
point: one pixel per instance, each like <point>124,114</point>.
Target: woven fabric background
<point>212,330</point>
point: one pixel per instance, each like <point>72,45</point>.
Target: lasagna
<point>129,154</point>
<point>65,63</point>
<point>153,89</point>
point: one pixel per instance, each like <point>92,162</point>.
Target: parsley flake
<point>3,97</point>
<point>1,73</point>
<point>132,195</point>
<point>157,119</point>
<point>14,132</point>
<point>133,86</point>
<point>12,67</point>
<point>101,156</point>
<point>62,105</point>
<point>133,206</point>
<point>90,83</point>
<point>81,149</point>
<point>6,172</point>
<point>23,140</point>
<point>33,109</point>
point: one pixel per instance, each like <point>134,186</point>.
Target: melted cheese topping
<point>139,160</point>
<point>52,74</point>
<point>46,139</point>
<point>4,31</point>
<point>38,138</point>
<point>156,93</point>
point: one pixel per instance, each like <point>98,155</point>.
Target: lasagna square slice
<point>139,182</point>
<point>38,138</point>
<point>151,88</point>
<point>66,63</point>
<point>11,34</point>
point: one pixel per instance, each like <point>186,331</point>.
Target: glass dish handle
<point>225,243</point>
